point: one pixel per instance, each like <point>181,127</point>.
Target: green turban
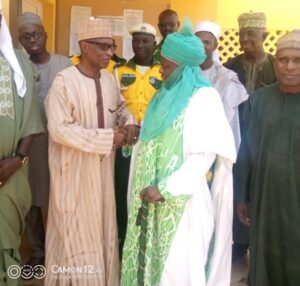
<point>184,47</point>
<point>187,50</point>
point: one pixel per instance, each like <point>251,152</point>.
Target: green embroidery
<point>6,93</point>
<point>128,79</point>
<point>155,82</point>
<point>151,230</point>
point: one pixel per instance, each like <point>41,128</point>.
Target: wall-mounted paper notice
<point>78,14</point>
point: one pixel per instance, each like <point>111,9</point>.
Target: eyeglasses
<point>34,35</point>
<point>104,46</point>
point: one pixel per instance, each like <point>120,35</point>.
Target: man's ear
<point>265,35</point>
<point>83,47</point>
<point>215,44</point>
<point>178,23</point>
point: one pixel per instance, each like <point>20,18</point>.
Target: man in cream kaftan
<point>81,109</point>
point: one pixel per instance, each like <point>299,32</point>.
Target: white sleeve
<point>206,132</point>
<point>188,178</point>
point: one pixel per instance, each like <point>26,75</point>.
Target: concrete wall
<point>281,15</point>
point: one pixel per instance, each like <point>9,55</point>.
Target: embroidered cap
<point>252,20</point>
<point>143,28</point>
<point>94,28</point>
<point>290,40</point>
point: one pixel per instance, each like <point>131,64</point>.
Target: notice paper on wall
<point>78,14</point>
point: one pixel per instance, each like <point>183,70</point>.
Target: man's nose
<point>290,65</point>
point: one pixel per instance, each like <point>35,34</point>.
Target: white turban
<point>6,48</point>
<point>214,29</point>
<point>207,26</point>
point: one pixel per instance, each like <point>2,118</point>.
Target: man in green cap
<point>179,230</point>
<point>19,122</point>
<point>268,169</point>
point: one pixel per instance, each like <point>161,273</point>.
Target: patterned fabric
<point>81,226</point>
<point>289,41</point>
<point>94,28</point>
<point>252,20</point>
<point>6,95</point>
<point>149,238</point>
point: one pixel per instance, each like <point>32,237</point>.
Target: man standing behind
<point>255,69</point>
<point>139,79</point>
<point>19,121</point>
<point>33,38</point>
<point>225,81</point>
<point>268,168</point>
<point>167,23</point>
<point>81,109</point>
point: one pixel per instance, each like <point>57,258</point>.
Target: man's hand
<point>243,214</point>
<point>7,168</point>
<point>120,136</point>
<point>133,132</point>
<point>151,194</point>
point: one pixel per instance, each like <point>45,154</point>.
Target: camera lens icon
<point>14,271</point>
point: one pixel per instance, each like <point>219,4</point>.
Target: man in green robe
<point>268,169</point>
<point>179,230</point>
<point>19,121</point>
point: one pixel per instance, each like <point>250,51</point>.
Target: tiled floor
<point>238,278</point>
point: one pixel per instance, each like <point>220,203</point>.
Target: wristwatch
<point>24,158</point>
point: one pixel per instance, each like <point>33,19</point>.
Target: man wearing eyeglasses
<point>81,109</point>
<point>139,79</point>
<point>33,38</point>
<point>167,23</point>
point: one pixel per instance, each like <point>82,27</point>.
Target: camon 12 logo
<point>26,272</point>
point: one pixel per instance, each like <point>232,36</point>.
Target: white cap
<point>143,28</point>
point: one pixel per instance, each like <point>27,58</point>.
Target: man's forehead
<point>171,17</point>
<point>288,52</point>
<point>206,35</point>
<point>252,29</point>
<point>101,40</point>
<point>30,27</point>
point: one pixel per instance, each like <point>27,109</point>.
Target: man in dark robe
<point>255,69</point>
<point>268,169</point>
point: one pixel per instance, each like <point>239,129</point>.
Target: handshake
<point>126,135</point>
